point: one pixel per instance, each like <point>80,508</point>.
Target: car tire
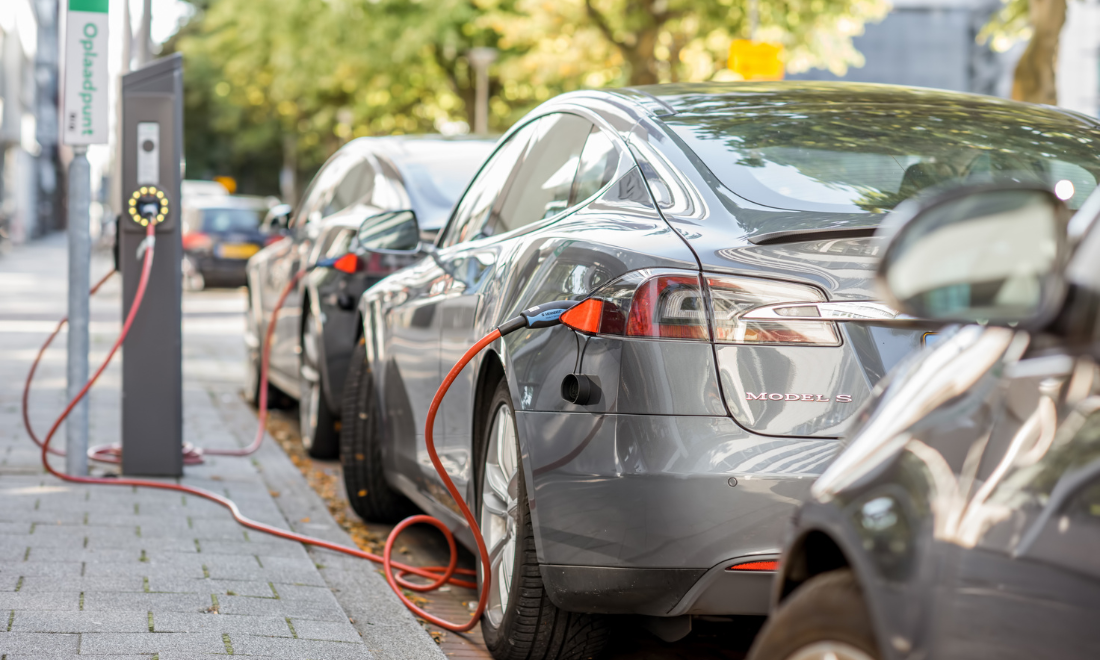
<point>824,618</point>
<point>520,622</point>
<point>319,428</point>
<point>361,448</point>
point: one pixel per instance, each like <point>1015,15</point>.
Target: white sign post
<point>85,118</point>
<point>83,122</point>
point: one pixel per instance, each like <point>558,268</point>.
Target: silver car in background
<point>317,326</point>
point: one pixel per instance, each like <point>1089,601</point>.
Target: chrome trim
<point>842,310</point>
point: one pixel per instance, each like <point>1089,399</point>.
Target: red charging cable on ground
<point>536,317</point>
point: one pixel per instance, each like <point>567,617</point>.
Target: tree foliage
<point>288,81</point>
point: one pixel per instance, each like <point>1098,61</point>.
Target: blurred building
<point>29,182</point>
<point>18,144</point>
<point>932,43</point>
<point>1079,58</point>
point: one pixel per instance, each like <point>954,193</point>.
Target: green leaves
<point>274,81</point>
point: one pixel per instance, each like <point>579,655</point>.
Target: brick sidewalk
<point>138,573</point>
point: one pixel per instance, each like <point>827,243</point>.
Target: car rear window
<point>219,220</point>
<point>436,180</point>
<point>855,158</point>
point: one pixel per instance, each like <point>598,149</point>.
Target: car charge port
<point>580,389</point>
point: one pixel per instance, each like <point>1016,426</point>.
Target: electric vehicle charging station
<point>152,357</point>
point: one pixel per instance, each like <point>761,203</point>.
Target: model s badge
<point>775,396</point>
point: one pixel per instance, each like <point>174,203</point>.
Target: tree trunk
<point>643,62</point>
<point>1035,78</point>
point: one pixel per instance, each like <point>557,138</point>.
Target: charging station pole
<point>152,356</point>
<point>84,122</point>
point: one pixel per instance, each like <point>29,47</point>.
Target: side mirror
<point>390,232</point>
<point>277,218</point>
<point>987,254</point>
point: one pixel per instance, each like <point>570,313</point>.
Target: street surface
<point>139,573</point>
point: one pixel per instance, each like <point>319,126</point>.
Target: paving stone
<point>86,584</point>
<point>298,648</point>
<point>288,549</point>
<point>305,593</point>
<point>79,553</point>
<point>144,602</point>
<point>251,588</point>
<point>270,626</point>
<point>25,600</point>
<point>47,568</point>
<point>335,631</point>
<point>79,622</point>
<point>13,643</point>
<point>143,569</point>
<point>20,656</point>
<point>328,611</point>
<point>147,642</point>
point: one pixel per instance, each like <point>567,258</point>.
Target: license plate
<point>931,338</point>
<point>237,250</point>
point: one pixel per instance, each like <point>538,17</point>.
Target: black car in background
<point>316,328</point>
<point>962,520</point>
<point>220,233</point>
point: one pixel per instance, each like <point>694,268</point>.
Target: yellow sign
<point>229,182</point>
<point>756,60</point>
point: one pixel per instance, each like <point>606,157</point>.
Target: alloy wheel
<point>829,650</point>
<point>499,509</point>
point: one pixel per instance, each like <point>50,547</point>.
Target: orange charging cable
<point>395,572</point>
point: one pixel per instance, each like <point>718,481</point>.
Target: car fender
<point>896,640</point>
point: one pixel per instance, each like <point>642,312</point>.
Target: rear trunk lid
<point>809,390</point>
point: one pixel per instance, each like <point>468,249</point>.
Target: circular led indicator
<point>148,204</point>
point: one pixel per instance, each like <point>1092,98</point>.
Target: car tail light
<point>270,240</point>
<point>197,242</point>
<point>645,303</point>
<point>672,304</point>
<point>732,297</point>
<point>768,565</point>
<point>349,263</point>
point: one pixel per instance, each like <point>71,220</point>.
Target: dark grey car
<point>317,326</point>
<point>723,228</point>
<point>963,518</point>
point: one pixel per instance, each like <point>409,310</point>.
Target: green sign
<point>88,5</point>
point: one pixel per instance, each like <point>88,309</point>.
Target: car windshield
<point>219,220</point>
<point>852,158</point>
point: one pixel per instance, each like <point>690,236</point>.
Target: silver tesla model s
<point>648,461</point>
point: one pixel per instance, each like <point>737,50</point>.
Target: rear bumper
<point>658,591</point>
<point>633,512</point>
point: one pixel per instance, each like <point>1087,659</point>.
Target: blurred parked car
<point>194,188</point>
<point>963,518</point>
<point>647,462</point>
<point>276,223</point>
<point>317,327</point>
<point>220,233</point>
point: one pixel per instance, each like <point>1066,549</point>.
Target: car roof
<point>399,148</point>
<point>726,97</point>
<point>250,202</point>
